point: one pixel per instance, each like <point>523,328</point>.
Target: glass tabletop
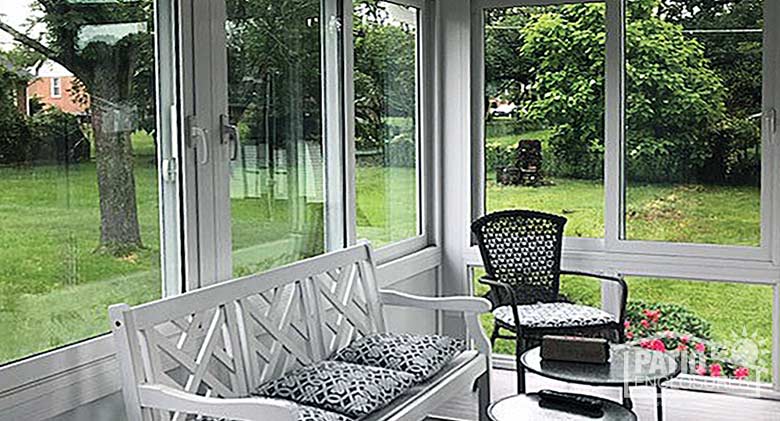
<point>526,407</point>
<point>628,365</point>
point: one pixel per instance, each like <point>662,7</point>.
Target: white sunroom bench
<point>202,353</point>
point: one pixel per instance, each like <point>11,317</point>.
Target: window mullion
<point>350,161</point>
<point>614,123</point>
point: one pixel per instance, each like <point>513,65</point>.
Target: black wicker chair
<point>521,251</point>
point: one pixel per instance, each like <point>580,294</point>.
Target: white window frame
<point>56,87</point>
<point>426,149</point>
<point>613,254</point>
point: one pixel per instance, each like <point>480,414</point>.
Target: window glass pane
<point>730,322</point>
<point>693,121</point>
<point>544,122</point>
<point>725,328</point>
<point>275,100</point>
<point>386,121</point>
<point>78,174</point>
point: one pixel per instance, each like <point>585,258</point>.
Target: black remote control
<point>574,402</point>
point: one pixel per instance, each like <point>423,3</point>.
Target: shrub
<point>58,137</point>
<point>673,328</point>
<point>16,138</point>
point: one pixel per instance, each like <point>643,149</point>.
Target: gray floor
<point>678,405</point>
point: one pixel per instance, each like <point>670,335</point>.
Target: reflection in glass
<point>275,100</point>
<point>386,121</point>
<point>78,174</point>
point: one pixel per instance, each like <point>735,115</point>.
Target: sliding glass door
<point>274,127</point>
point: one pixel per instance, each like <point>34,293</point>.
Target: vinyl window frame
<point>56,87</point>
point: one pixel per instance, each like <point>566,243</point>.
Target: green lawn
<point>54,289</point>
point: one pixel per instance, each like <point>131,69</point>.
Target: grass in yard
<point>386,204</point>
<point>54,289</point>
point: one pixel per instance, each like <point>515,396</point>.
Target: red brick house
<point>53,85</point>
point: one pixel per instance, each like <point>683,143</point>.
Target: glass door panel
<point>387,126</point>
<point>277,165</point>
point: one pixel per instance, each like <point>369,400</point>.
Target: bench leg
<point>483,389</point>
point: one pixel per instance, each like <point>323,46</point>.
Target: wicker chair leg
<point>494,335</point>
<point>519,350</point>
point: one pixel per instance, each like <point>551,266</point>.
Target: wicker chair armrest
<point>488,280</point>
<point>616,279</point>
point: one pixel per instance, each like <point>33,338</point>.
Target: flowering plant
<point>672,328</point>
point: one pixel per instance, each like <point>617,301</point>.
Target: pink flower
<point>658,345</point>
<point>682,347</point>
<point>715,370</point>
<point>645,323</point>
<point>644,343</point>
<point>700,348</point>
<point>701,369</point>
<point>685,338</point>
<point>669,334</point>
<point>653,315</point>
<point>627,324</point>
<point>741,373</point>
<point>629,335</point>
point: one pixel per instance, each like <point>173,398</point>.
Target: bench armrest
<point>247,409</point>
<point>471,307</point>
<point>474,305</point>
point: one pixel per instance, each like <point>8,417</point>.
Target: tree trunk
<point>112,125</point>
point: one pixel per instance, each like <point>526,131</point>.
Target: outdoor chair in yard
<point>521,251</point>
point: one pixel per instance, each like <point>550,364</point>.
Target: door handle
<point>197,138</point>
<point>230,136</point>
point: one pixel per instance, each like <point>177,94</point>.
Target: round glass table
<point>526,407</point>
<point>628,366</point>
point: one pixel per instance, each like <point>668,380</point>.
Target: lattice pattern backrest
<point>523,249</point>
<point>227,339</point>
<point>346,306</point>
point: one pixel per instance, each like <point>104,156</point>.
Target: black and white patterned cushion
<point>552,315</point>
<point>420,355</point>
<point>308,413</point>
<point>349,389</point>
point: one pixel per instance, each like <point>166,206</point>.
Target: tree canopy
<point>687,100</point>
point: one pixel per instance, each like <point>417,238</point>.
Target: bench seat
<point>203,353</point>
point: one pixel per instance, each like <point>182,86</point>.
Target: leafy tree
<point>15,135</point>
<point>385,73</point>
<point>737,57</point>
<point>674,98</point>
<point>109,67</point>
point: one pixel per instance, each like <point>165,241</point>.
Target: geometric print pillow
<point>307,413</point>
<point>349,389</point>
<point>419,355</point>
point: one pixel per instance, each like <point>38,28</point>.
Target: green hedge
<point>46,137</point>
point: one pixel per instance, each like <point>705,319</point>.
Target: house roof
<point>50,68</point>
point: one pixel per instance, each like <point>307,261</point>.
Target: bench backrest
<point>227,339</point>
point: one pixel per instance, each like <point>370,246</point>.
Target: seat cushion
<point>350,389</point>
<point>554,315</point>
<point>308,413</point>
<point>419,355</point>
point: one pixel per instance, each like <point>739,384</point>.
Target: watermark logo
<point>737,364</point>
